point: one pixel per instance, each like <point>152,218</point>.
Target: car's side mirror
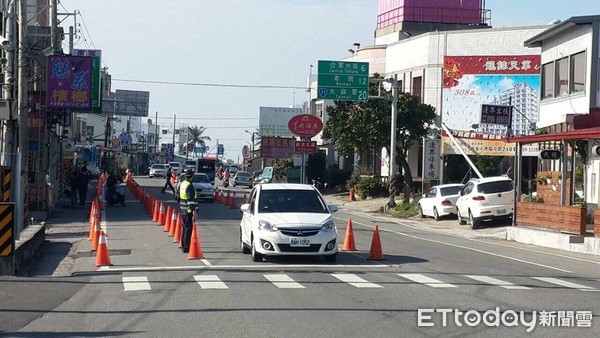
<point>332,208</point>
<point>424,195</point>
<point>245,207</point>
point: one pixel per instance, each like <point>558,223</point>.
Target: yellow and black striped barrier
<point>7,225</point>
<point>5,177</point>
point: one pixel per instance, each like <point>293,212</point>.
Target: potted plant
<point>548,178</point>
<point>560,178</point>
<point>540,180</point>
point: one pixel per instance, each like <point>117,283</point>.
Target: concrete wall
<point>31,240</point>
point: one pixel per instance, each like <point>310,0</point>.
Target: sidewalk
<point>493,230</point>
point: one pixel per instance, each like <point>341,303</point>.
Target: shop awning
<point>578,134</point>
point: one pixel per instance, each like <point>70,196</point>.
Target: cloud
<point>506,83</point>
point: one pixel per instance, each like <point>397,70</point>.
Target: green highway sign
<point>343,80</point>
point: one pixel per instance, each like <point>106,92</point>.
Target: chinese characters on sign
<point>277,147</point>
<point>306,147</point>
<point>305,125</point>
<point>342,80</point>
<point>431,159</point>
<point>69,82</point>
<point>496,114</point>
<point>550,154</point>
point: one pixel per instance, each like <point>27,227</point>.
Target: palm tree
<point>196,137</point>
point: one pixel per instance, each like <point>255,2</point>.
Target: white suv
<point>485,198</point>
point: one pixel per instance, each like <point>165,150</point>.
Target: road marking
<point>497,282</point>
<point>355,281</point>
<point>434,283</point>
<point>564,283</point>
<point>206,262</point>
<point>136,284</point>
<point>249,267</point>
<point>210,282</point>
<point>381,229</point>
<point>283,281</point>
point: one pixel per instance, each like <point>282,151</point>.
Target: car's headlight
<point>328,226</point>
<point>266,226</point>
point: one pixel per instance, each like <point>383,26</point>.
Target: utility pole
<point>174,129</point>
<point>392,173</point>
<point>156,134</point>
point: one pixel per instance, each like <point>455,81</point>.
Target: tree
<point>358,126</point>
<point>196,137</point>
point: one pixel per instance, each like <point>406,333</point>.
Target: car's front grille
<point>288,248</point>
<point>299,232</point>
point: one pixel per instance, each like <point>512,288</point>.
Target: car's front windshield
<point>200,179</point>
<point>307,201</point>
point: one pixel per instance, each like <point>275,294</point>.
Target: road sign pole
<point>392,173</point>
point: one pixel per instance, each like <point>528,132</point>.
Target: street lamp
<point>251,133</point>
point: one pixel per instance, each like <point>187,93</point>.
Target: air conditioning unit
<point>595,151</point>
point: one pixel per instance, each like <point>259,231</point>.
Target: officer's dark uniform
<point>187,204</point>
<point>168,182</point>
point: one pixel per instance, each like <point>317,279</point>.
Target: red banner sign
<point>456,66</point>
<point>306,146</point>
<point>305,125</point>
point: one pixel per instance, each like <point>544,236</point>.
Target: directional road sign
<point>342,80</point>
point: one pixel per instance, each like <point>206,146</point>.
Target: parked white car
<point>485,198</point>
<point>287,219</point>
<point>440,201</point>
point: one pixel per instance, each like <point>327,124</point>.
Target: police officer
<point>188,204</point>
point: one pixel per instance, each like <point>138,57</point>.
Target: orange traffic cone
<point>244,199</point>
<point>173,223</point>
<point>168,216</point>
<point>349,240</point>
<point>155,211</point>
<point>92,210</point>
<point>161,214</point>
<point>234,202</point>
<point>216,195</point>
<point>102,258</point>
<point>195,248</point>
<point>228,200</point>
<point>352,196</point>
<point>376,252</point>
<point>223,198</point>
<point>96,237</point>
<point>93,225</point>
<point>178,228</point>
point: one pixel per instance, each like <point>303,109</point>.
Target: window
<point>448,191</point>
<point>562,77</point>
<point>548,80</point>
<point>417,83</point>
<point>578,72</point>
<point>495,187</point>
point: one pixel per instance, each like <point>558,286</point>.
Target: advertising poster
<point>69,82</point>
<point>473,82</point>
<point>277,147</point>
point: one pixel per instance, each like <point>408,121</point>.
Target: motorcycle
<point>115,194</point>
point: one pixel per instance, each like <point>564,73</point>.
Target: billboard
<point>126,103</point>
<point>473,83</point>
<point>277,147</point>
<point>273,121</point>
<point>69,82</point>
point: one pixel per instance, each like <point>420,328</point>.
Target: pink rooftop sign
<point>438,11</point>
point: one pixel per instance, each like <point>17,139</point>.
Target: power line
<point>211,84</point>
<point>210,118</point>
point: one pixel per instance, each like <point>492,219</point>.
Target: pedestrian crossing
<point>379,281</point>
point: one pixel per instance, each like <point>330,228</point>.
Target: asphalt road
<point>152,289</point>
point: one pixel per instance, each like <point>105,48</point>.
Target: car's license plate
<point>299,242</point>
<point>501,211</point>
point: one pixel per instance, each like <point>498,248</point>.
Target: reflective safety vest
<point>187,204</point>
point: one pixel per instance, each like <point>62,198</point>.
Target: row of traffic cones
<point>376,252</point>
<point>168,218</point>
<point>97,236</point>
<point>229,200</point>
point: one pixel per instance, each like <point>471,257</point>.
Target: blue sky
<point>243,42</point>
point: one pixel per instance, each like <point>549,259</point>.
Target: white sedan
<point>440,201</point>
<point>287,219</point>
